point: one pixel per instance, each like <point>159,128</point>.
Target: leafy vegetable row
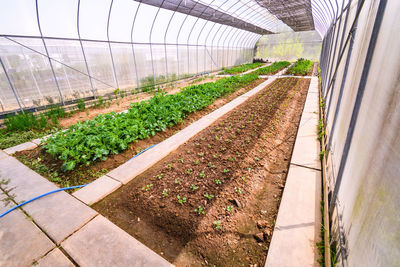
<point>300,67</point>
<point>241,68</point>
<point>111,133</point>
<point>273,68</point>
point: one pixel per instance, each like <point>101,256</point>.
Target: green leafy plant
<point>238,190</point>
<point>160,176</point>
<point>81,105</point>
<point>200,210</point>
<point>147,187</point>
<point>225,171</point>
<point>202,174</point>
<point>300,67</point>
<point>189,171</point>
<point>86,142</point>
<point>193,187</point>
<point>165,193</point>
<point>217,225</point>
<point>209,196</point>
<point>181,200</point>
<point>229,208</point>
<point>241,68</point>
<point>178,181</point>
<point>271,69</point>
<point>217,181</point>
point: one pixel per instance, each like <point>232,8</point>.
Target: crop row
<point>300,67</point>
<point>111,133</point>
<point>273,68</point>
<point>241,68</point>
<point>208,165</point>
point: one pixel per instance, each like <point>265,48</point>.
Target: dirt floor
<point>121,104</point>
<point>215,199</point>
<point>43,163</point>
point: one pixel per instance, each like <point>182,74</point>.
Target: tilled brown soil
<point>214,200</point>
<point>42,162</point>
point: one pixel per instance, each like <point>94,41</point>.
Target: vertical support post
<point>83,50</point>
<point>11,85</point>
<point>151,48</point>
<point>109,44</point>
<point>165,38</point>
<point>133,49</point>
<point>47,54</point>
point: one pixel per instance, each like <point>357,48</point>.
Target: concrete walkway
<point>41,232</point>
<point>297,227</point>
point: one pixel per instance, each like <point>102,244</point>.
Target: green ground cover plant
<point>111,133</point>
<point>241,68</point>
<point>274,67</point>
<point>300,67</point>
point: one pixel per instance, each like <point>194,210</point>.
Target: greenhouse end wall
<point>289,46</point>
<point>362,118</point>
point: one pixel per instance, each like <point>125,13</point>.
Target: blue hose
<point>48,193</point>
<point>62,189</point>
<point>143,151</point>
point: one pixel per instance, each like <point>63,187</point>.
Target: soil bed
<point>122,103</point>
<point>214,200</point>
<point>43,163</point>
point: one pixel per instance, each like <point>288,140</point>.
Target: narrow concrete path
<point>297,227</point>
<point>36,232</point>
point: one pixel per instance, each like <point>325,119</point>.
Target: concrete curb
<point>298,223</point>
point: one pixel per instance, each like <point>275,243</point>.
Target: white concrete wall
<point>369,196</point>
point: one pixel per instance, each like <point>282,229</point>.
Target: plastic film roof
<point>68,49</point>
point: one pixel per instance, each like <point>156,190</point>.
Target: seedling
<point>193,187</point>
<point>202,174</point>
<point>200,210</point>
<point>209,146</point>
<point>244,178</point>
<point>211,165</point>
<point>181,160</point>
<point>209,196</point>
<point>217,181</point>
<point>201,154</point>
<point>165,192</point>
<point>189,171</point>
<point>160,176</point>
<point>231,159</point>
<point>197,144</point>
<point>169,166</point>
<point>178,181</point>
<point>215,156</point>
<point>217,225</point>
<point>238,190</point>
<point>229,208</point>
<point>196,162</point>
<point>257,159</point>
<point>147,187</point>
<point>225,171</point>
<point>223,149</point>
<point>181,200</point>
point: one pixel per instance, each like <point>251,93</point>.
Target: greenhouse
<point>199,133</point>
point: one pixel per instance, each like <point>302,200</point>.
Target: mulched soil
<point>242,161</point>
<point>43,163</point>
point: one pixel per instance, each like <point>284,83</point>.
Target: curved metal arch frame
<point>226,38</point>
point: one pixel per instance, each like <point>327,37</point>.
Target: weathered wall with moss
<point>289,46</point>
<point>363,136</point>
